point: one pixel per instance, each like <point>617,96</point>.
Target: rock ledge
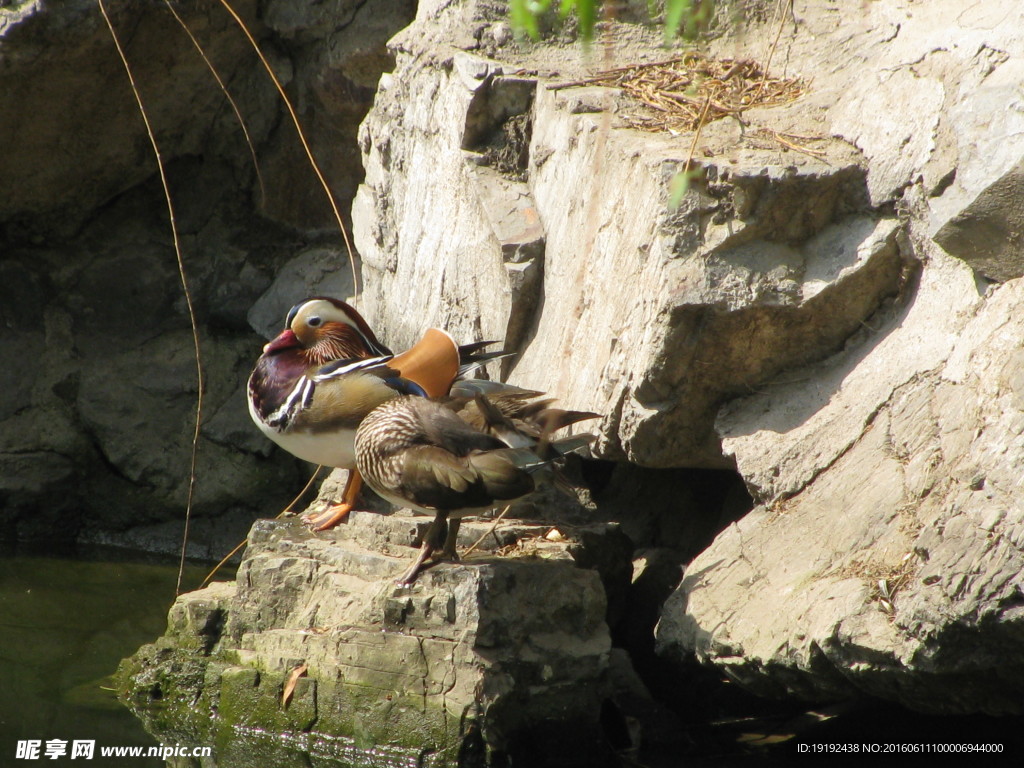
<point>497,654</point>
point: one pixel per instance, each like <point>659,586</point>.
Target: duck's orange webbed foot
<point>335,513</point>
<point>329,518</point>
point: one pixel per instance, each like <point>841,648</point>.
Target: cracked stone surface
<point>895,570</point>
<point>650,317</point>
<point>885,556</point>
<point>500,647</point>
<point>98,372</point>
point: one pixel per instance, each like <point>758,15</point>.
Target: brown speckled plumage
<point>419,453</point>
<point>423,454</point>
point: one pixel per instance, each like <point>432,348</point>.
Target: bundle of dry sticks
<point>680,93</point>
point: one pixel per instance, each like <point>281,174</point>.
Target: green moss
<point>176,690</point>
<point>160,685</point>
<point>371,717</point>
<point>252,698</point>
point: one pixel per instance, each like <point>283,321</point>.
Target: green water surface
<point>64,626</point>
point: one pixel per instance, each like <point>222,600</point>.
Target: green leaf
<point>698,19</point>
<point>523,20</point>
<point>677,190</point>
<point>674,11</point>
<point>680,185</point>
<point>586,10</point>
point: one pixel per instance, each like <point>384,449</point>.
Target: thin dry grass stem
<point>696,137</point>
<point>282,513</point>
<point>302,138</point>
<point>224,560</point>
<point>680,94</point>
<point>227,95</point>
<point>778,34</point>
<point>488,532</point>
<point>184,284</point>
<point>789,140</point>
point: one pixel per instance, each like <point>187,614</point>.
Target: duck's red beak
<point>285,340</point>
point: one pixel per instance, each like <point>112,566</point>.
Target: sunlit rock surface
<point>617,304</point>
<point>496,655</point>
<point>886,557</point>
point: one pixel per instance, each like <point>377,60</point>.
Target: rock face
<point>477,663</point>
<point>913,592</point>
<point>774,262</point>
<point>886,557</point>
<point>829,312</point>
<point>832,300</point>
<point>96,354</point>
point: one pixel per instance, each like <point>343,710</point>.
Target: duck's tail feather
<point>472,356</point>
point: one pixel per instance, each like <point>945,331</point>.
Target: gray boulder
<point>881,560</point>
<point>485,655</point>
<point>96,357</point>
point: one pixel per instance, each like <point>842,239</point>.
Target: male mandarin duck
<point>459,456</point>
<point>320,377</point>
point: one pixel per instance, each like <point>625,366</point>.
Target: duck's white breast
<point>336,448</point>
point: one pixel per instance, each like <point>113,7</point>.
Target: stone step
<point>393,533</point>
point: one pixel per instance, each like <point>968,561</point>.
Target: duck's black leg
<point>450,551</point>
<point>435,538</point>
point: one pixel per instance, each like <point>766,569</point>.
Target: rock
<point>784,436</point>
<point>985,232</point>
<point>832,588</point>
<point>892,118</point>
<point>97,359</point>
<point>496,653</point>
<point>888,567</point>
<point>979,217</point>
<point>673,311</point>
<point>644,721</point>
<point>933,99</point>
<point>488,287</point>
<point>336,52</point>
<point>316,272</point>
<point>880,561</point>
<point>67,100</point>
<point>309,19</point>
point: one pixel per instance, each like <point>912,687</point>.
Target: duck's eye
<point>314,321</point>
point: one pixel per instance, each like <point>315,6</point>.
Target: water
<point>64,626</point>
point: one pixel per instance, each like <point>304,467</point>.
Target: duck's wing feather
<point>434,478</point>
<point>341,393</point>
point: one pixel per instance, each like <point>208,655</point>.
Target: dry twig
<point>673,94</point>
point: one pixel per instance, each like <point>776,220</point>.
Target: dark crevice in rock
<point>509,153</point>
<point>677,509</point>
<point>670,516</point>
<point>498,120</point>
